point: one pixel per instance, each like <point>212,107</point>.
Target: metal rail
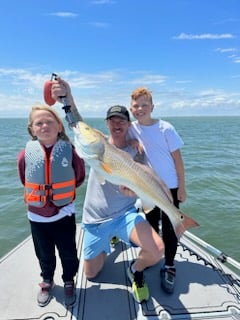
<point>221,256</point>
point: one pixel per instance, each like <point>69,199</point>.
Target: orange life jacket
<point>50,179</point>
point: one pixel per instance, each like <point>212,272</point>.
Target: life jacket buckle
<point>45,187</point>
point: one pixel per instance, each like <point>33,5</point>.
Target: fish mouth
<point>83,138</point>
<point>86,142</point>
<point>88,146</point>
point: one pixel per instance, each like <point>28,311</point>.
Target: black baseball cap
<point>119,111</point>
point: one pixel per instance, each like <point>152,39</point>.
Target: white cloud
<point>148,79</point>
<point>223,50</point>
<point>63,14</point>
<point>95,92</point>
<point>98,24</point>
<point>185,36</point>
<point>103,2</point>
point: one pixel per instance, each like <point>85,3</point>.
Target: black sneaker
<point>69,293</point>
<point>168,276</point>
<point>45,294</point>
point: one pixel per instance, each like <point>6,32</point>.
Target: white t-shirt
<point>67,210</point>
<point>159,140</point>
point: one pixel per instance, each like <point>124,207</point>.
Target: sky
<point>187,52</point>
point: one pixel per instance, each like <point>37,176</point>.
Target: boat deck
<point>205,288</point>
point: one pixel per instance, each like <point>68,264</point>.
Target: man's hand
<point>61,88</point>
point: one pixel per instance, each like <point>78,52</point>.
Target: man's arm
<point>61,88</point>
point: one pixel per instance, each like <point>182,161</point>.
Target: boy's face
<point>141,109</point>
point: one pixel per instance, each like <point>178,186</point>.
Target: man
<point>109,210</point>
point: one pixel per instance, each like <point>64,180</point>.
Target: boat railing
<point>221,256</point>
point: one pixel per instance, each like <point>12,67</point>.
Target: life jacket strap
<point>69,194</point>
<point>36,186</point>
<point>64,184</point>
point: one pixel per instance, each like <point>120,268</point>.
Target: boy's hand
<point>135,144</point>
<point>181,194</point>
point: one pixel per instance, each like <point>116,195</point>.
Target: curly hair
<point>141,92</point>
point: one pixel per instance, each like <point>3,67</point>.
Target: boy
<point>161,144</point>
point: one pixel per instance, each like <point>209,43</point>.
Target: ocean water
<point>211,156</point>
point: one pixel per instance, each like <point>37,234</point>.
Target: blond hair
<point>62,135</point>
<point>139,92</point>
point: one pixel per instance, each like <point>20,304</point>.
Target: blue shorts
<point>97,236</point>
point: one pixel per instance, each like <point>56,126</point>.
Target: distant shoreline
<point>162,117</point>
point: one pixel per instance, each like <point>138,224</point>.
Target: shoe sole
<point>46,303</point>
<point>49,299</point>
<point>69,305</point>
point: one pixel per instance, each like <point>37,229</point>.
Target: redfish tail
<point>185,224</point>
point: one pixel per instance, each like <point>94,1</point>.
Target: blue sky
<point>187,52</point>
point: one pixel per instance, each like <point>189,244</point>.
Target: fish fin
<point>105,167</point>
<point>185,224</point>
